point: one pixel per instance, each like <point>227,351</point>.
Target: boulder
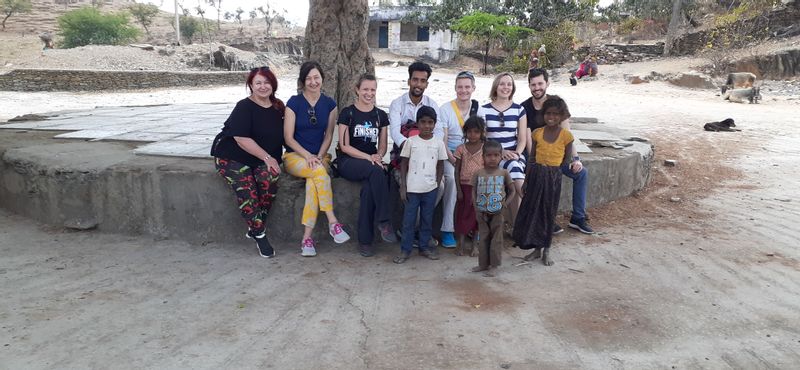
<point>693,80</point>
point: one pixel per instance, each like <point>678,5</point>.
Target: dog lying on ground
<point>724,125</point>
<point>751,94</point>
<point>739,80</point>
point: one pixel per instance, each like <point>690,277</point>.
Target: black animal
<point>724,125</point>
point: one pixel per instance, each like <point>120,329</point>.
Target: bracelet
<point>267,157</point>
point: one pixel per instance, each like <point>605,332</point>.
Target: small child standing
<point>552,146</point>
<point>421,168</point>
<point>469,158</point>
<point>493,186</point>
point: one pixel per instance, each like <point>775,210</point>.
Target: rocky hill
<point>42,17</point>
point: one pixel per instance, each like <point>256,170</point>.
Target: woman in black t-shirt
<point>247,153</point>
<point>362,143</point>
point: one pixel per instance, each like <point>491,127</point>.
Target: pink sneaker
<point>309,248</point>
<point>337,232</point>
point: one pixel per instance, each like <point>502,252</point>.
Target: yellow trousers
<point>319,196</point>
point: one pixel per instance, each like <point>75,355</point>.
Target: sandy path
<point>711,281</point>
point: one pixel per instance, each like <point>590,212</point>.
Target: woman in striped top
<point>506,123</point>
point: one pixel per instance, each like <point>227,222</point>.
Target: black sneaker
<point>264,247</point>
<point>366,250</point>
<point>581,226</point>
<point>557,229</point>
<point>429,254</point>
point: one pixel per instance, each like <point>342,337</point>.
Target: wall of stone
<point>783,65</point>
<point>761,28</point>
<point>94,80</point>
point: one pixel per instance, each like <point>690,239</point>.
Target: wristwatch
<point>576,158</point>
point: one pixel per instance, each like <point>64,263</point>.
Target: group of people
<point>496,168</point>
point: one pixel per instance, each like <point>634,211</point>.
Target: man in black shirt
<point>538,82</point>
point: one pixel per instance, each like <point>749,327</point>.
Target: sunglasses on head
<point>256,69</point>
<point>312,114</point>
<point>466,74</point>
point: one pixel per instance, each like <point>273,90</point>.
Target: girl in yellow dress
<point>552,146</point>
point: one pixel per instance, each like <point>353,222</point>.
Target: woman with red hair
<point>247,153</point>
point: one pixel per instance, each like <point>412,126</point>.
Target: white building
<point>387,30</point>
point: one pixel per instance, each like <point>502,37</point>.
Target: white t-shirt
<point>423,156</point>
<point>448,119</point>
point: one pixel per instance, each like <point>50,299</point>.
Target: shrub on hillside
<point>87,26</point>
<point>559,41</point>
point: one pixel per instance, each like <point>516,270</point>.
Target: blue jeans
<point>425,203</point>
<point>580,181</point>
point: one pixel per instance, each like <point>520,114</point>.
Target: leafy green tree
<point>536,14</point>
<point>11,7</point>
<point>189,27</point>
<point>487,28</point>
<point>144,14</point>
<point>545,14</point>
<point>87,26</point>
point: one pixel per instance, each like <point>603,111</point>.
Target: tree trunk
<point>486,56</point>
<point>674,26</point>
<point>336,37</point>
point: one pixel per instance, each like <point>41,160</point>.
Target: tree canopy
<point>11,7</point>
<point>87,26</point>
<point>487,27</point>
<point>144,14</point>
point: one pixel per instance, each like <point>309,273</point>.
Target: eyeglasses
<point>465,74</point>
<point>501,118</point>
<point>256,69</point>
<point>312,115</point>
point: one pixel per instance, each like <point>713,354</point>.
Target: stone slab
<point>594,135</point>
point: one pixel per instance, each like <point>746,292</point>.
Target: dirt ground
<point>709,280</point>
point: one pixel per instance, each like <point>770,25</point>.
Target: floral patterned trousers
<point>255,190</point>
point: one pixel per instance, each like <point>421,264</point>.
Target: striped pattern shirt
<point>502,126</point>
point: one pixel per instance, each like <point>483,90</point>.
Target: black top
<point>535,117</point>
<point>364,127</point>
<point>248,119</point>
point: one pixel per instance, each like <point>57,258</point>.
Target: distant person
<point>538,83</point>
<point>550,149</point>
<point>362,142</point>
<point>533,59</point>
<point>543,55</point>
<point>491,187</point>
<point>507,123</point>
<point>453,114</point>
<point>308,131</point>
<point>469,158</point>
<point>247,153</point>
<point>587,68</point>
<point>422,168</point>
<point>47,40</point>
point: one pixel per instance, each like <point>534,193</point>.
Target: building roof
<point>394,13</point>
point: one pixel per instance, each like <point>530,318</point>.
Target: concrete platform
<point>56,179</point>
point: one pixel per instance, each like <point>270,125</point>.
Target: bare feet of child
<point>478,269</point>
<point>546,258</point>
<point>537,253</point>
